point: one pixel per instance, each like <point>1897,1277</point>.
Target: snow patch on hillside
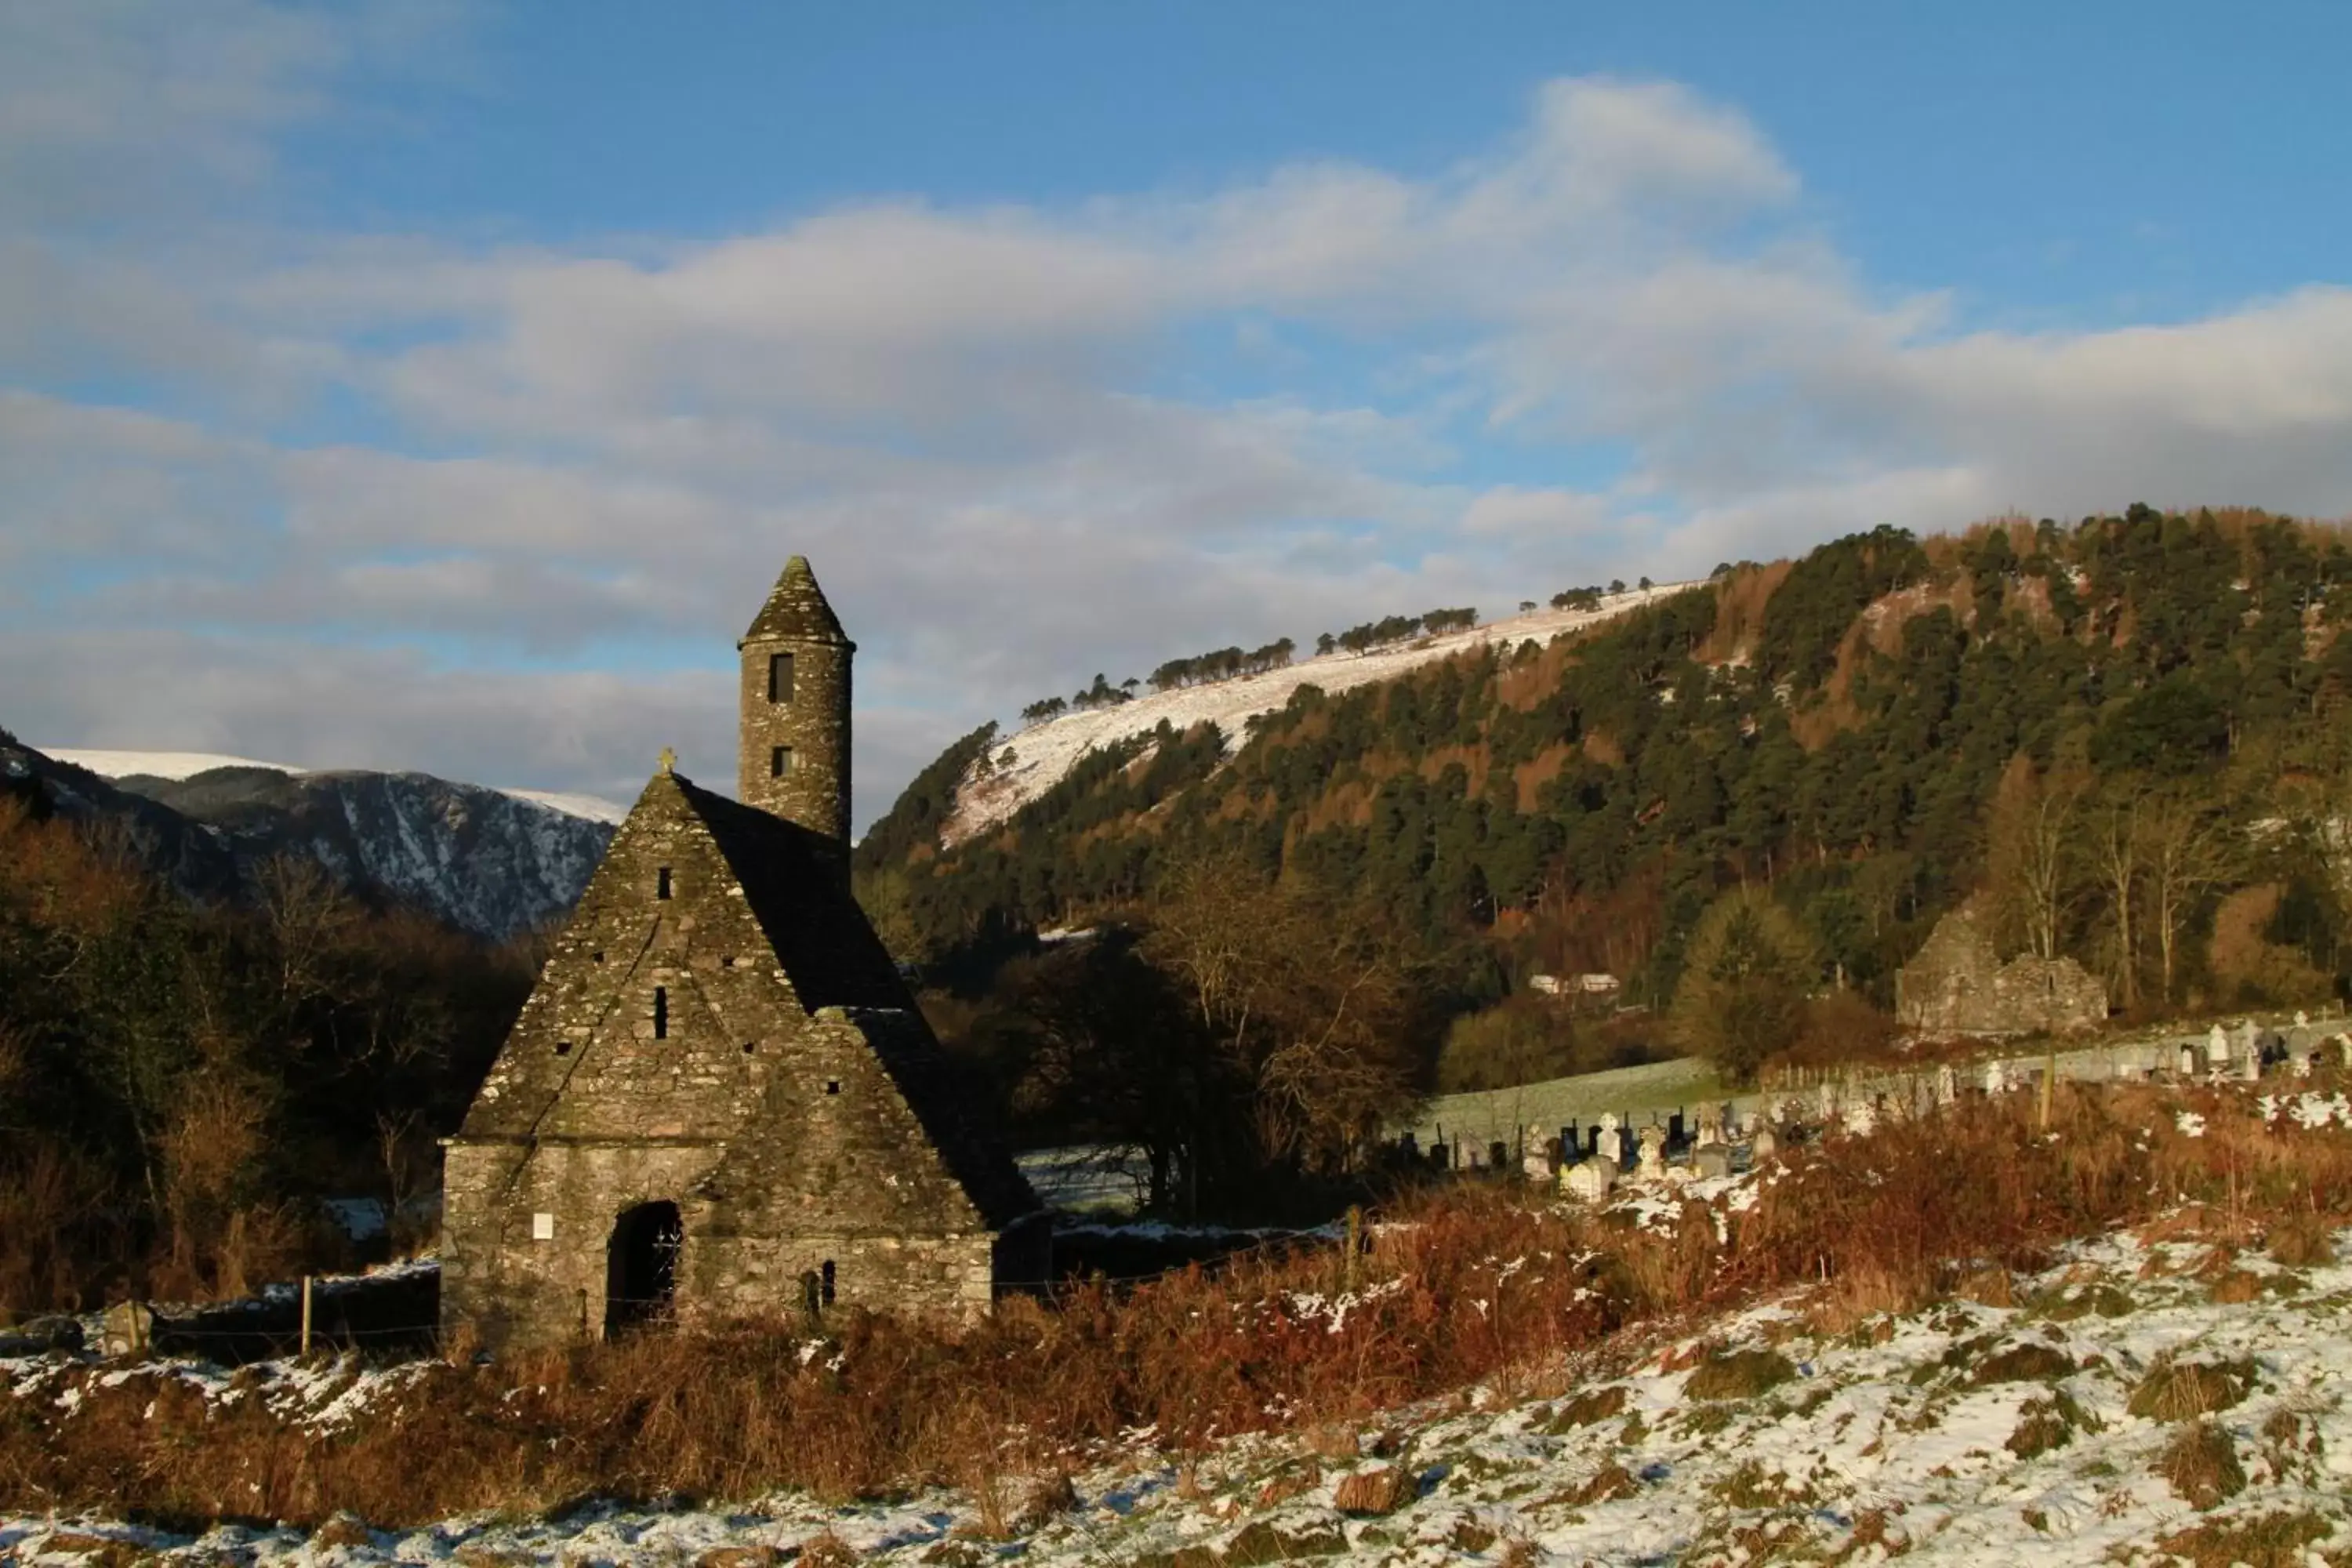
<point>173,766</point>
<point>178,765</point>
<point>1045,753</point>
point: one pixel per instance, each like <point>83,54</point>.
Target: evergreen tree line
<point>1587,598</point>
<point>1389,630</point>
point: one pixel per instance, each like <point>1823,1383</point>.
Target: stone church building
<point>1957,984</point>
<point>720,1096</point>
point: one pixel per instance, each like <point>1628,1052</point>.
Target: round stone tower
<point>795,715</point>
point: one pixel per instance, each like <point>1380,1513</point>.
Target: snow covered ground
<point>1046,752</point>
<point>175,765</point>
<point>2051,1430</point>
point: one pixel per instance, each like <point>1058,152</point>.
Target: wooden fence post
<point>305,1314</point>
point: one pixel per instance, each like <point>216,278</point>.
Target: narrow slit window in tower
<point>833,1086</point>
<point>828,1285</point>
<point>780,762</point>
<point>779,678</point>
<point>661,884</point>
<point>661,1012</point>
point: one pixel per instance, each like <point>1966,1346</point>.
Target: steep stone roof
<point>792,883</point>
<point>827,948</point>
<point>796,610</point>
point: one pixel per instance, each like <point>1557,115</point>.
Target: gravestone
<point>1766,1146</point>
<point>1608,1142</point>
<point>1654,1154</point>
<point>1590,1181</point>
<point>128,1329</point>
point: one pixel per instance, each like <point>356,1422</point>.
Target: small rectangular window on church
<point>661,884</point>
<point>661,1012</point>
<point>779,678</point>
<point>780,762</point>
<point>833,1086</point>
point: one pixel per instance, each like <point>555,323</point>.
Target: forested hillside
<point>2129,732</point>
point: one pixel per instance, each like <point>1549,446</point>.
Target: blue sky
<point>439,385</point>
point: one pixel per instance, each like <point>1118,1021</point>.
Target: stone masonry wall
<point>1957,984</point>
<point>515,1289</point>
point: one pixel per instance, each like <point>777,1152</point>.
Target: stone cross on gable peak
<point>668,760</point>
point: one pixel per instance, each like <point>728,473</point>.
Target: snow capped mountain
<point>1043,753</point>
<point>493,862</point>
<point>176,766</point>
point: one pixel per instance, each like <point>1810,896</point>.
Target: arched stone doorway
<point>641,1265</point>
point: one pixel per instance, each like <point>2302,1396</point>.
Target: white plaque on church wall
<point>542,1227</point>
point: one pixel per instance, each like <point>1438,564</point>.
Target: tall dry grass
<point>1469,1285</point>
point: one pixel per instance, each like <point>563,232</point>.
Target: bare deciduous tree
<point>2029,848</point>
<point>2113,847</point>
<point>2189,849</point>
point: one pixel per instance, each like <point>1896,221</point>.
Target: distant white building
<point>1574,985</point>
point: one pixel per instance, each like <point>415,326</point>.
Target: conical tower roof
<point>796,610</point>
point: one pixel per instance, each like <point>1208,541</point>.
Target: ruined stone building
<point>1957,984</point>
<point>720,1096</point>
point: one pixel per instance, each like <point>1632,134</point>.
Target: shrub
<point>2265,1541</point>
<point>2302,1240</point>
<point>2023,1363</point>
<point>2202,1463</point>
<point>1741,1375</point>
<point>2189,1391</point>
<point>1742,996</point>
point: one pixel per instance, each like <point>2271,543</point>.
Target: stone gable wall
<point>582,1059</point>
<point>800,1150</point>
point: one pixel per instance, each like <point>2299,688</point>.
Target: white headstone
<point>1609,1146</point>
<point>1767,1146</point>
<point>1947,1085</point>
<point>1653,1153</point>
<point>1589,1180</point>
<point>2217,1045</point>
<point>1996,1077</point>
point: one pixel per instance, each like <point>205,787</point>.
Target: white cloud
<point>1508,510</point>
<point>995,430</point>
